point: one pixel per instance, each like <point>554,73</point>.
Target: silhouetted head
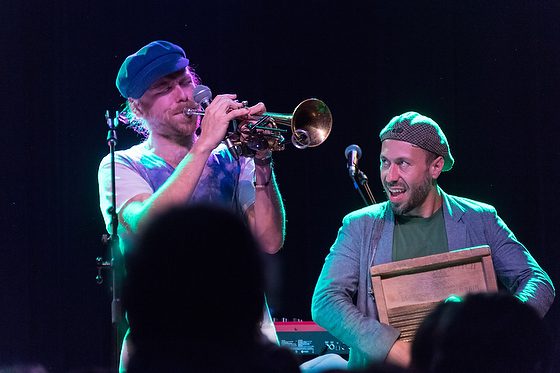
<point>193,273</point>
<point>486,332</point>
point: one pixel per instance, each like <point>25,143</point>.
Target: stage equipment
<point>115,263</point>
<point>359,179</point>
<point>307,339</point>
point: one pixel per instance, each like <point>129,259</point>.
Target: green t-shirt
<point>415,236</point>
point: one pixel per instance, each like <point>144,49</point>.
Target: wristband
<point>263,161</point>
<point>261,186</point>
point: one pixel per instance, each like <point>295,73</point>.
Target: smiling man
<point>419,219</point>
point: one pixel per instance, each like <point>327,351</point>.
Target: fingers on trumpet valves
<point>238,105</point>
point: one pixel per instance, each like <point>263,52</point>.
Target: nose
<point>392,173</point>
<point>181,93</point>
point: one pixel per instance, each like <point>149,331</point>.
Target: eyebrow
<point>398,159</point>
<point>160,83</point>
<point>178,75</point>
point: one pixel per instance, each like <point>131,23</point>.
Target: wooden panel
<point>407,290</point>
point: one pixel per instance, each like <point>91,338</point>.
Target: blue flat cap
<point>152,62</point>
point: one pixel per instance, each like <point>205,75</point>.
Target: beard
<point>418,195</point>
<point>176,125</point>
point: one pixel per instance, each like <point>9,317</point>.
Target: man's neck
<point>171,150</point>
<point>431,204</point>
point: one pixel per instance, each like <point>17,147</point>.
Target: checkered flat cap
<point>419,130</point>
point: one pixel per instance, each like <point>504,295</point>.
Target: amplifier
<point>308,338</point>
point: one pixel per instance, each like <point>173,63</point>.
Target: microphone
<point>202,95</point>
<point>352,154</point>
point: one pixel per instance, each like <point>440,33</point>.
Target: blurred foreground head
<point>484,332</point>
<point>191,270</point>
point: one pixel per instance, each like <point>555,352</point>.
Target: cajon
<point>407,290</point>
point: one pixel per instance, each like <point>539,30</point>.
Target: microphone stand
<point>112,241</point>
<point>360,181</point>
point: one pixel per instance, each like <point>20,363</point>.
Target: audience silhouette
<point>194,295</point>
<point>483,332</point>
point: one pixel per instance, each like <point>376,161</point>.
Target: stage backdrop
<point>487,72</point>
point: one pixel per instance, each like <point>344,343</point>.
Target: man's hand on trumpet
<point>257,139</point>
<point>217,116</point>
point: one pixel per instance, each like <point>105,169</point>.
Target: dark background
<point>487,72</point>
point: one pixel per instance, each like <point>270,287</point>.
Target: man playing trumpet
<point>174,165</point>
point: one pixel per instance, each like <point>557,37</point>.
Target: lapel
<point>454,225</point>
<point>384,252</point>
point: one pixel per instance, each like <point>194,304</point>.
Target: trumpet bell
<point>311,123</point>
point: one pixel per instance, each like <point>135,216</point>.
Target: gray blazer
<point>343,302</point>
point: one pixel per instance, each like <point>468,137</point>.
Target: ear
<point>436,167</point>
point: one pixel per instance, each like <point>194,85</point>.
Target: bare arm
<point>177,189</point>
<point>182,183</point>
<point>267,216</point>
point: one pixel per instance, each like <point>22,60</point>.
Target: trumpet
<point>309,125</point>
